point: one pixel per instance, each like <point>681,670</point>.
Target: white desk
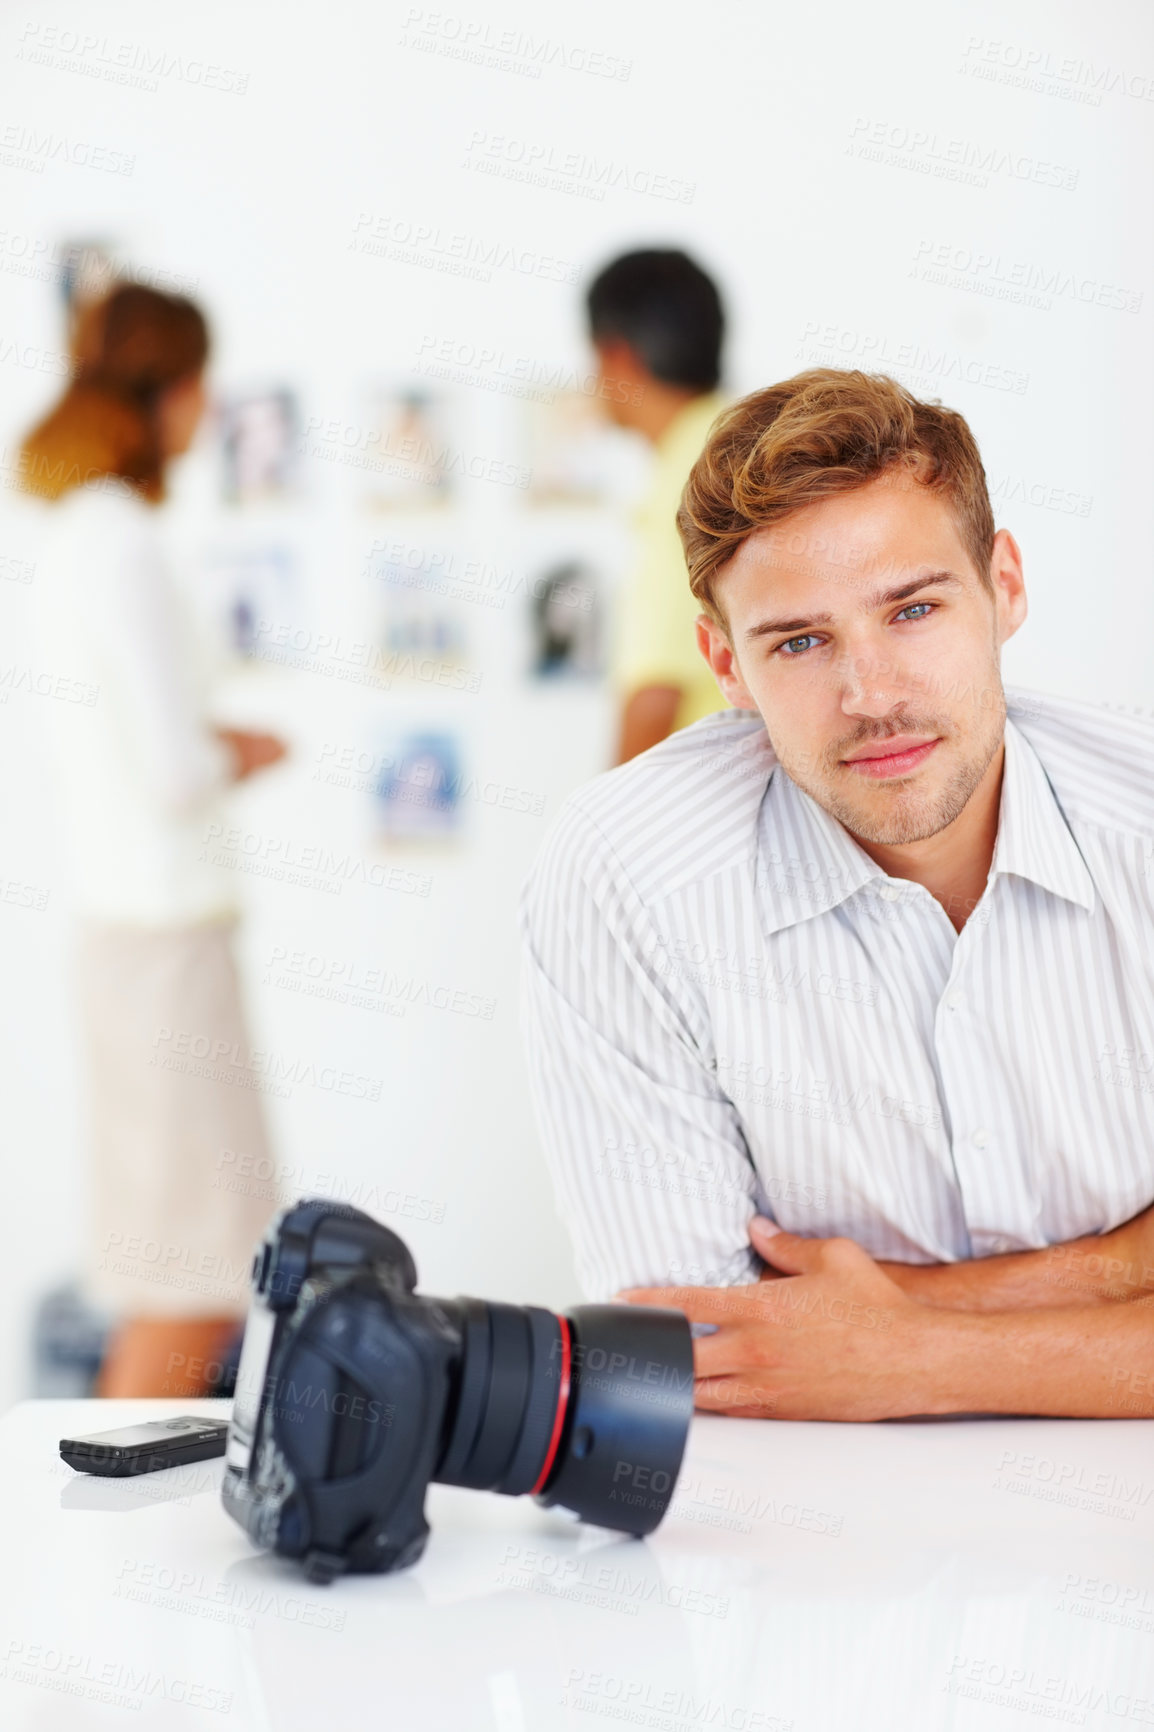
<point>978,1573</point>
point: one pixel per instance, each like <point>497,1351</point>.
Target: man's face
<point>859,626</point>
<point>621,381</point>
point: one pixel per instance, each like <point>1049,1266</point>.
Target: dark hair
<point>127,350</point>
<point>667,310</point>
<point>819,434</point>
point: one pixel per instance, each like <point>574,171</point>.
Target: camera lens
<point>511,1396</point>
<point>589,1410</point>
<point>629,1410</point>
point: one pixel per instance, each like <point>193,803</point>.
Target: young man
<point>656,323</point>
<point>841,1003</point>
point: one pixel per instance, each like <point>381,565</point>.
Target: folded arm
<point>837,1339</point>
<point>1101,1269</point>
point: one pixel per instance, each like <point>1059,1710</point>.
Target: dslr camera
<point>354,1391</point>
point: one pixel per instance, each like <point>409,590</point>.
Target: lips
<point>897,756</point>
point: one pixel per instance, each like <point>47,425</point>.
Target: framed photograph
<point>256,591</point>
<point>566,621</point>
<point>258,438</point>
<point>576,456</point>
<point>422,639</point>
<point>417,786</point>
<point>408,450</point>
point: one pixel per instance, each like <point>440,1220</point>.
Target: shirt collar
<point>1034,839</point>
<point>808,863</point>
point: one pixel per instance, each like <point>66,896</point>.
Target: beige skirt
<point>182,1182</point>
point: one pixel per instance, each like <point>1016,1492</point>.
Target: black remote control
<point>146,1448</point>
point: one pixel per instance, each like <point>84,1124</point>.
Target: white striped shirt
<point>729,1007</point>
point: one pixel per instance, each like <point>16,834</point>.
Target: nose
<point>872,684</point>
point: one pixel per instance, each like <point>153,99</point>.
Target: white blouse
<point>126,672</point>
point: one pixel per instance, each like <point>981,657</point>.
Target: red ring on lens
<point>562,1404</point>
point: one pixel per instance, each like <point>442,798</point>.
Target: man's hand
<point>1106,1268</point>
<point>251,752</point>
<point>834,1339</point>
<point>830,1335</point>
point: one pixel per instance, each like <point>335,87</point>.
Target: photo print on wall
<point>578,458</point>
<point>416,786</point>
<point>566,622</point>
<point>406,450</point>
<point>423,641</point>
<point>257,591</point>
<point>258,444</point>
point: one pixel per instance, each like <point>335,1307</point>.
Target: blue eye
<point>913,610</point>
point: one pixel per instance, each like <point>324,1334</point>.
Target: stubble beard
<point>903,813</point>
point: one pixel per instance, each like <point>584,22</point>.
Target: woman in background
<point>171,1089</point>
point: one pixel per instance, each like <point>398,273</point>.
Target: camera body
<point>353,1392</point>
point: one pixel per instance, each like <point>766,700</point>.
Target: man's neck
<point>660,406</point>
<point>955,864</point>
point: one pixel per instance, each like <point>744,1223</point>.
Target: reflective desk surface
<point>829,1578</point>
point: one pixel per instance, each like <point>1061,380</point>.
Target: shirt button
<point>888,892</point>
<point>955,1000</point>
<point>980,1139</point>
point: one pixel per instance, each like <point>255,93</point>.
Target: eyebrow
<point>879,598</point>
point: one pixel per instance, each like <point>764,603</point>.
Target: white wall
<point>873,185</point>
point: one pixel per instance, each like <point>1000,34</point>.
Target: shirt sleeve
<point>650,1166</point>
<point>146,652</point>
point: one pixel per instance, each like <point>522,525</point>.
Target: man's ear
<point>1009,584</point>
<point>713,642</point>
<point>620,360</point>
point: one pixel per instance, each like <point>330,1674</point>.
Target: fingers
<point>700,1304</point>
<point>789,1253</point>
<point>744,1397</point>
<point>762,1229</point>
<point>779,1249</point>
<point>794,1255</point>
<point>747,1351</point>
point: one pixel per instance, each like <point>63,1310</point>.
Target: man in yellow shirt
<point>656,323</point>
